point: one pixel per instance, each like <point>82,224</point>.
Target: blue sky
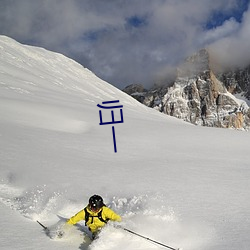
<point>218,17</point>
<point>131,41</point>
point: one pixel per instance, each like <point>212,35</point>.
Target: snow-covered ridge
<point>32,74</point>
<point>35,68</point>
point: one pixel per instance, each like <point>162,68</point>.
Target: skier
<point>95,214</point>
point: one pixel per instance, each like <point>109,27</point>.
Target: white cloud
<point>233,50</point>
<point>97,33</point>
<point>228,28</point>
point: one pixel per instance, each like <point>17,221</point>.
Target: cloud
<point>228,28</point>
<point>121,41</point>
<point>233,49</point>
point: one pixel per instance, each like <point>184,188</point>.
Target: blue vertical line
<point>112,115</point>
<point>113,131</point>
<point>121,115</point>
<point>100,114</point>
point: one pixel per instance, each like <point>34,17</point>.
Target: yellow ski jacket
<point>94,223</point>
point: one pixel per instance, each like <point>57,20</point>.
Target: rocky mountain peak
<point>196,64</point>
<point>200,96</point>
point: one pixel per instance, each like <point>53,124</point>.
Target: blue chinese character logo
<point>113,121</point>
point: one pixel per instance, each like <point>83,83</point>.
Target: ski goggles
<point>94,208</point>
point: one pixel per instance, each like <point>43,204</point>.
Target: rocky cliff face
<point>237,81</point>
<point>201,97</point>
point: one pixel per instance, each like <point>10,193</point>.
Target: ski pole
<point>146,238</point>
<point>45,228</point>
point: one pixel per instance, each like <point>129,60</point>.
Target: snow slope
<point>176,183</point>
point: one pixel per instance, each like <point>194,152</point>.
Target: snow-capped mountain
<point>182,185</point>
<point>237,81</point>
<point>202,97</point>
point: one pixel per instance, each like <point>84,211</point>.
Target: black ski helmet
<point>96,202</point>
